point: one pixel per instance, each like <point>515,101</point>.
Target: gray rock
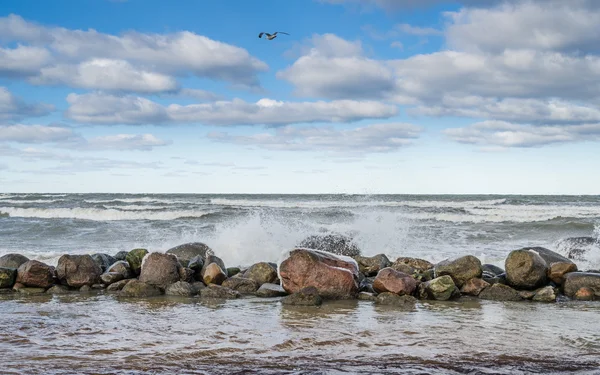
<point>58,289</point>
<point>111,277</point>
<point>103,260</point>
<point>308,296</point>
<point>392,299</point>
<point>262,273</point>
<point>8,277</point>
<point>12,260</point>
<point>575,281</point>
<point>419,265</point>
<point>441,288</point>
<point>31,291</point>
<point>334,243</point>
<point>78,270</point>
<point>85,289</point>
<point>369,266</point>
<point>242,285</point>
<point>365,296</point>
<point>461,269</point>
<point>117,286</point>
<point>500,292</point>
<point>186,252</point>
<point>546,294</point>
<point>121,255</point>
<point>160,269</point>
<point>180,288</point>
<point>197,287</point>
<point>219,292</point>
<point>196,264</point>
<point>492,270</point>
<point>270,291</point>
<point>123,268</point>
<point>526,269</point>
<point>232,271</point>
<point>137,288</point>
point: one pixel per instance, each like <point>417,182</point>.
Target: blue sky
<point>363,96</point>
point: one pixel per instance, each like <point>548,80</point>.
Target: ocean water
<point>98,333</point>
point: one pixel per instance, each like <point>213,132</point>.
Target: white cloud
<point>393,5</point>
<point>36,134</point>
<point>108,109</point>
<point>376,138</point>
<point>13,108</point>
<point>200,94</point>
<point>415,30</point>
<point>22,60</point>
<point>142,142</point>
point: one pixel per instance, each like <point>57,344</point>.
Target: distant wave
<point>338,203</point>
<point>135,200</point>
<point>100,214</point>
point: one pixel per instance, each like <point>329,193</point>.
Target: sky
<point>362,96</point>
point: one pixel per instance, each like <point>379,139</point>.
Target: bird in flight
<point>271,36</point>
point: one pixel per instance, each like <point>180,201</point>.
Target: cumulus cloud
<point>378,138</point>
<point>36,134</point>
<point>109,109</point>
<point>13,108</point>
<point>142,142</point>
<point>133,59</point>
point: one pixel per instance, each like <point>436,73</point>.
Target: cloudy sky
<point>363,96</point>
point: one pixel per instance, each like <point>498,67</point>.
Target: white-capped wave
<point>30,201</point>
<point>99,214</point>
<point>134,200</point>
<point>136,208</point>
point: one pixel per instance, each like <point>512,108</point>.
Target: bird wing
<point>281,32</point>
<point>260,35</point>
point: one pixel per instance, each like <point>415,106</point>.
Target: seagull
<point>271,36</point>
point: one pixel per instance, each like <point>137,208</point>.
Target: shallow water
<point>105,334</point>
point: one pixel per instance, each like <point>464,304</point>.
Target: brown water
<point>103,334</point>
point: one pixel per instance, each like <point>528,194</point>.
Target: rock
<point>31,290</point>
<point>186,274</point>
<point>35,274</point>
<point>117,286</point>
<point>12,260</point>
<point>441,288</point>
<point>121,255</point>
<point>499,279</point>
<point>103,260</point>
<point>98,286</point>
<point>198,286</point>
<point>123,268</point>
<point>574,281</point>
<point>213,259</point>
<point>180,288</point>
<point>334,276</point>
<point>213,274</point>
<point>393,299</point>
<point>160,269</point>
<point>420,265</point>
<point>111,277</point>
<point>548,255</point>
<point>527,294</point>
<point>270,290</point>
<point>492,270</point>
<point>365,296</point>
<point>8,277</point>
<point>308,296</point>
<point>186,252</point>
<point>474,286</point>
<point>370,266</point>
<point>137,288</point>
<point>262,273</point>
<point>584,294</point>
<point>366,285</point>
<point>390,280</point>
<point>58,289</point>
<point>219,292</point>
<point>333,243</point>
<point>546,294</point>
<point>232,271</point>
<point>500,292</point>
<point>196,264</point>
<point>134,258</point>
<point>460,269</point>
<point>242,285</point>
<point>85,288</point>
<point>525,269</point>
<point>558,270</point>
<point>78,270</point>
<point>6,291</point>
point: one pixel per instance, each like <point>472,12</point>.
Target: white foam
<point>99,214</point>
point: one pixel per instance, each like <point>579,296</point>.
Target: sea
<point>97,333</point>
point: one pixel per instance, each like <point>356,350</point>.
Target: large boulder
<point>370,266</point>
<point>103,260</point>
<point>137,288</point>
<point>526,269</point>
<point>390,280</point>
<point>135,258</point>
<point>78,270</point>
<point>308,296</point>
<point>334,277</point>
<point>241,284</point>
<point>575,281</point>
<point>35,274</point>
<point>8,276</point>
<point>160,269</point>
<point>460,269</point>
<point>12,260</point>
<point>500,292</point>
<point>333,243</point>
<point>441,288</point>
<point>188,251</point>
<point>262,273</point>
<point>474,286</point>
<point>213,274</point>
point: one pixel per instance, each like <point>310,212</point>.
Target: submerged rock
<point>526,269</point>
<point>117,286</point>
<point>135,258</point>
<point>333,276</point>
<point>333,243</point>
<point>308,296</point>
<point>31,290</point>
<point>35,274</point>
<point>137,288</point>
<point>78,270</point>
<point>219,292</point>
<point>262,273</point>
<point>58,289</point>
<point>574,281</point>
<point>366,296</point>
<point>242,285</point>
<point>441,288</point>
<point>271,290</point>
<point>180,288</point>
<point>12,260</point>
<point>8,277</point>
<point>500,292</point>
<point>186,252</point>
<point>474,286</point>
<point>460,269</point>
<point>370,266</point>
<point>392,299</point>
<point>390,280</point>
<point>160,269</point>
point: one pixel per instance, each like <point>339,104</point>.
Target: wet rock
<point>584,294</point>
<point>137,288</point>
<point>370,266</point>
<point>558,270</point>
<point>196,264</point>
<point>111,277</point>
<point>390,280</point>
<point>546,294</point>
<point>392,299</point>
<point>78,270</point>
<point>18,286</point>
<point>219,292</point>
<point>527,294</point>
<point>333,243</point>
<point>460,269</point>
<point>213,274</point>
<point>198,286</point>
<point>441,288</point>
<point>420,265</point>
<point>491,270</point>
<point>577,280</point>
<point>366,285</point>
<point>6,291</point>
<point>186,274</point>
<point>262,273</point>
<point>8,277</point>
<point>98,286</point>
<point>499,279</point>
<point>270,291</point>
<point>366,296</point>
<point>242,285</point>
<point>35,274</point>
<point>31,291</point>
<point>135,258</point>
<point>160,269</point>
<point>117,286</point>
<point>308,296</point>
<point>208,261</point>
<point>180,288</point>
<point>186,252</point>
<point>58,289</point>
<point>12,260</point>
<point>103,260</point>
<point>525,269</point>
<point>85,289</point>
<point>123,268</point>
<point>500,292</point>
<point>333,276</point>
<point>232,271</point>
<point>121,255</point>
<point>474,286</point>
